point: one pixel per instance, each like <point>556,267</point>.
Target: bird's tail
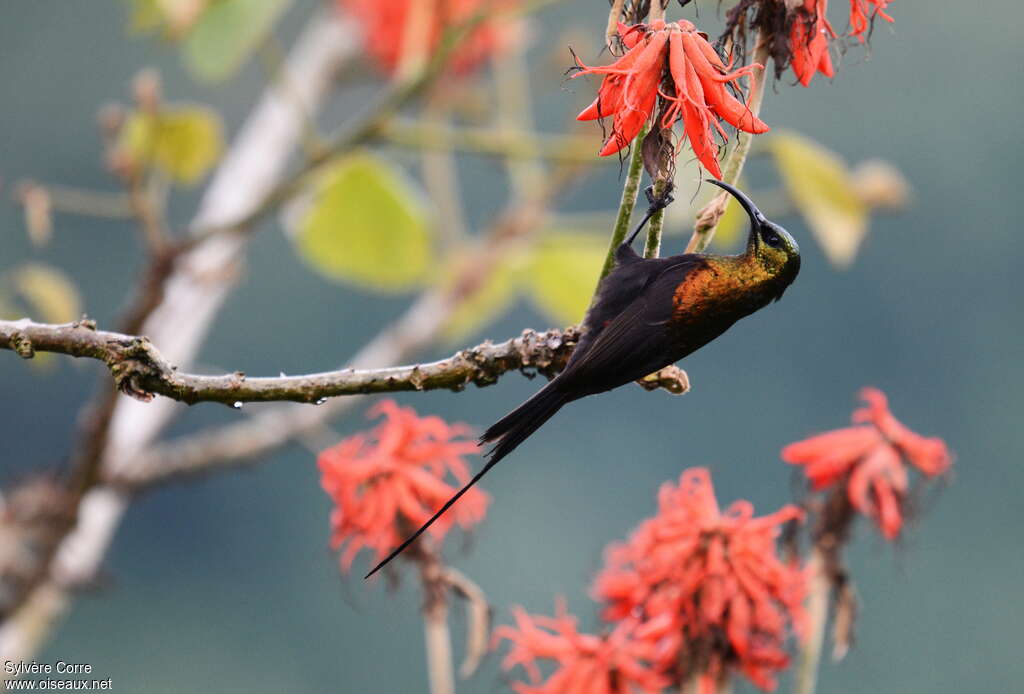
<point>515,427</point>
<point>509,432</point>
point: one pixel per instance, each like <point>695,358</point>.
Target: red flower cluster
<point>811,31</point>
<point>709,585</point>
<point>808,41</point>
<point>385,23</point>
<point>610,664</point>
<point>699,93</point>
<point>862,12</point>
<point>870,461</point>
<point>391,480</point>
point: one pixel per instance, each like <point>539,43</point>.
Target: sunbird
<point>648,313</point>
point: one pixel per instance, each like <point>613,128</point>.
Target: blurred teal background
<point>228,584</point>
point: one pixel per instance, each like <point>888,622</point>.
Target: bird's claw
<point>659,203</point>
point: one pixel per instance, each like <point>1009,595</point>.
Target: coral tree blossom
<point>708,587</point>
<point>697,89</point>
<point>609,664</point>
<point>808,41</point>
<point>385,24</point>
<point>870,460</point>
<point>810,33</point>
<point>390,480</point>
<point>863,12</point>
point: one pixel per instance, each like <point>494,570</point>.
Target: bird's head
<point>768,243</point>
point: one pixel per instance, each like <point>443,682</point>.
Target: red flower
<point>708,585</point>
<point>388,481</point>
<point>385,24</point>
<point>609,664</point>
<point>808,41</point>
<point>699,92</point>
<point>863,12</point>
<point>870,461</point>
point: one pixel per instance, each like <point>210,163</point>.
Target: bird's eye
<point>771,238</point>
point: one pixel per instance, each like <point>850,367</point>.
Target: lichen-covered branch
<point>139,369</point>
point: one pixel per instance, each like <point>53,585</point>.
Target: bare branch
<point>139,369</point>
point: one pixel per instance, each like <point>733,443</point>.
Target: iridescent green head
<point>768,243</point>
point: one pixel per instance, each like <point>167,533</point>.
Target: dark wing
<point>619,289</point>
<point>639,340</point>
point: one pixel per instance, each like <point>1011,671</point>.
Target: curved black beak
<point>756,218</point>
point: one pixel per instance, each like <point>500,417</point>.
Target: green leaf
<point>49,294</point>
<point>144,16</point>
<point>366,225</point>
<point>489,296</point>
<point>563,273</point>
<point>183,141</point>
<point>820,185</point>
<point>226,34</point>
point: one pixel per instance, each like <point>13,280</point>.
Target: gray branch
<point>139,369</point>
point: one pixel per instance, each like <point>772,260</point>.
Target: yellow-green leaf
<point>489,295</point>
<point>563,273</point>
<point>226,35</point>
<point>183,141</point>
<point>49,294</point>
<point>171,19</point>
<point>144,16</point>
<point>366,225</point>
<point>820,185</point>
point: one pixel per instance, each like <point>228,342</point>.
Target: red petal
<point>733,111</point>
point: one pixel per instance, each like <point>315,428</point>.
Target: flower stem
<point>439,652</point>
<point>628,201</point>
<point>692,684</point>
<point>440,671</point>
<point>817,609</point>
<point>657,10</point>
<point>415,40</point>
<point>612,31</point>
<point>653,245</point>
<point>709,216</point>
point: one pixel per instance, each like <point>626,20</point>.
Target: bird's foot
<point>657,202</point>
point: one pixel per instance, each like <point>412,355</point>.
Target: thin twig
<point>440,672</point>
<point>148,213</point>
<point>81,201</point>
<point>440,173</point>
<point>817,614</point>
<point>509,143</point>
<point>478,618</point>
<point>439,651</point>
<point>512,95</point>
